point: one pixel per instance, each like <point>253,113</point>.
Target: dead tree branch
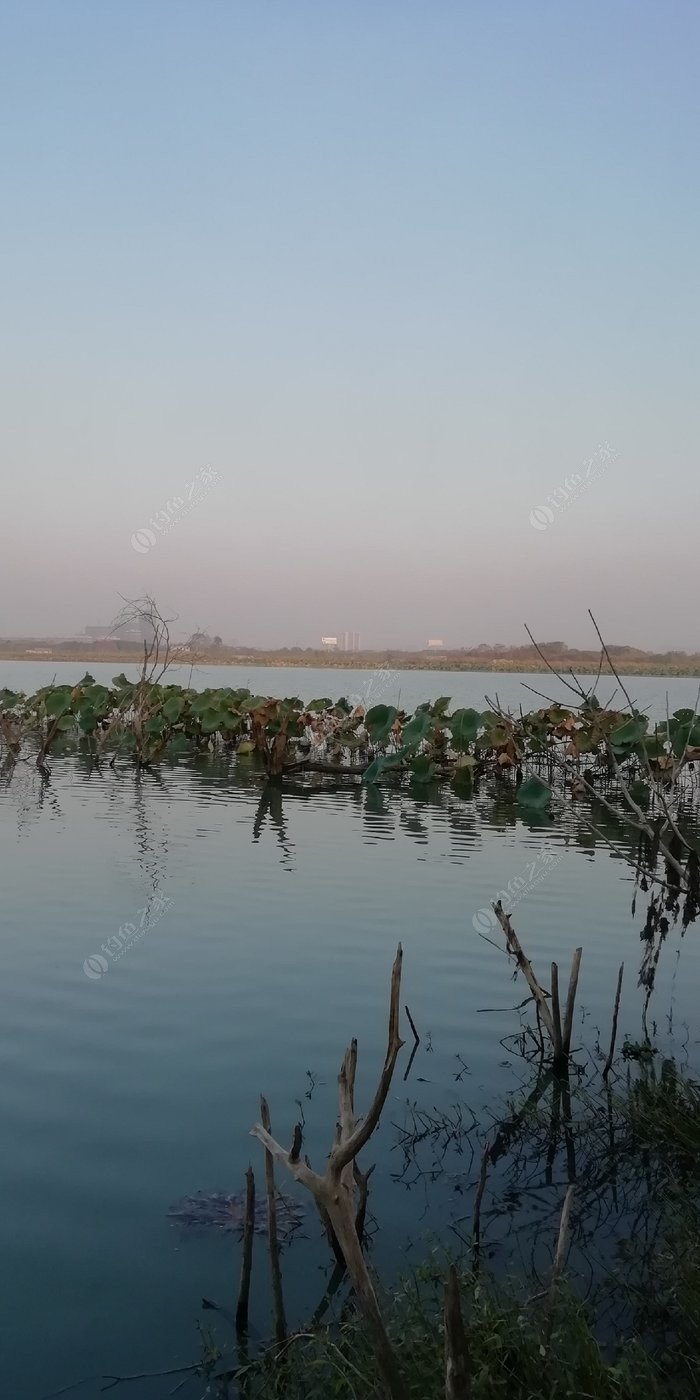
<point>334,1192</point>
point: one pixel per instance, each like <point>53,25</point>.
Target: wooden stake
<point>247,1258</point>
<point>570,1001</point>
<point>613,1037</point>
<point>273,1242</point>
<point>556,1012</point>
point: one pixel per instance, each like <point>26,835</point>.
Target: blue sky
<point>394,271</point>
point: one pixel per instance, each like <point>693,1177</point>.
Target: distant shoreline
<point>639,665</point>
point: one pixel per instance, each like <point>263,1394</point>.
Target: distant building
<point>139,631</point>
<point>349,641</point>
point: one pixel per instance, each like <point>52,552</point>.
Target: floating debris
<point>219,1211</point>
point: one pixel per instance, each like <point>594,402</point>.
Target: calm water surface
<point>121,1093</point>
<point>407,688</point>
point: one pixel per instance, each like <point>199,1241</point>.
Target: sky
<point>392,274</point>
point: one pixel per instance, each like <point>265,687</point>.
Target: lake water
<point>265,928</point>
<point>385,686</point>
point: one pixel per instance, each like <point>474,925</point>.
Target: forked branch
<point>334,1192</point>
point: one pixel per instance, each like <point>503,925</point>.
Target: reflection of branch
<point>476,1219</point>
<point>141,1375</point>
<point>562,1240</point>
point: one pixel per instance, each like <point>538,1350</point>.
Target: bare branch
<point>300,1171</point>
<point>344,1151</point>
<point>526,968</point>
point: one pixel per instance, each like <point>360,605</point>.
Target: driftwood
<point>457,1370</point>
<point>334,1192</point>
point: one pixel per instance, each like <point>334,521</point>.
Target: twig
<point>140,1376</point>
<point>576,689</point>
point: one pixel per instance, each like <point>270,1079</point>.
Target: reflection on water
<point>279,913</point>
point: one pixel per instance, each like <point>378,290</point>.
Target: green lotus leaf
<point>423,769</point>
<point>464,725</point>
<point>371,774</point>
<point>379,721</point>
<point>535,794</point>
<point>59,700</point>
<point>419,728</point>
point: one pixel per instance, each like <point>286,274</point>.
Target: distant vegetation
<point>213,651</point>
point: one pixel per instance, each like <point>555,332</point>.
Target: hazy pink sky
<point>393,272</point>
